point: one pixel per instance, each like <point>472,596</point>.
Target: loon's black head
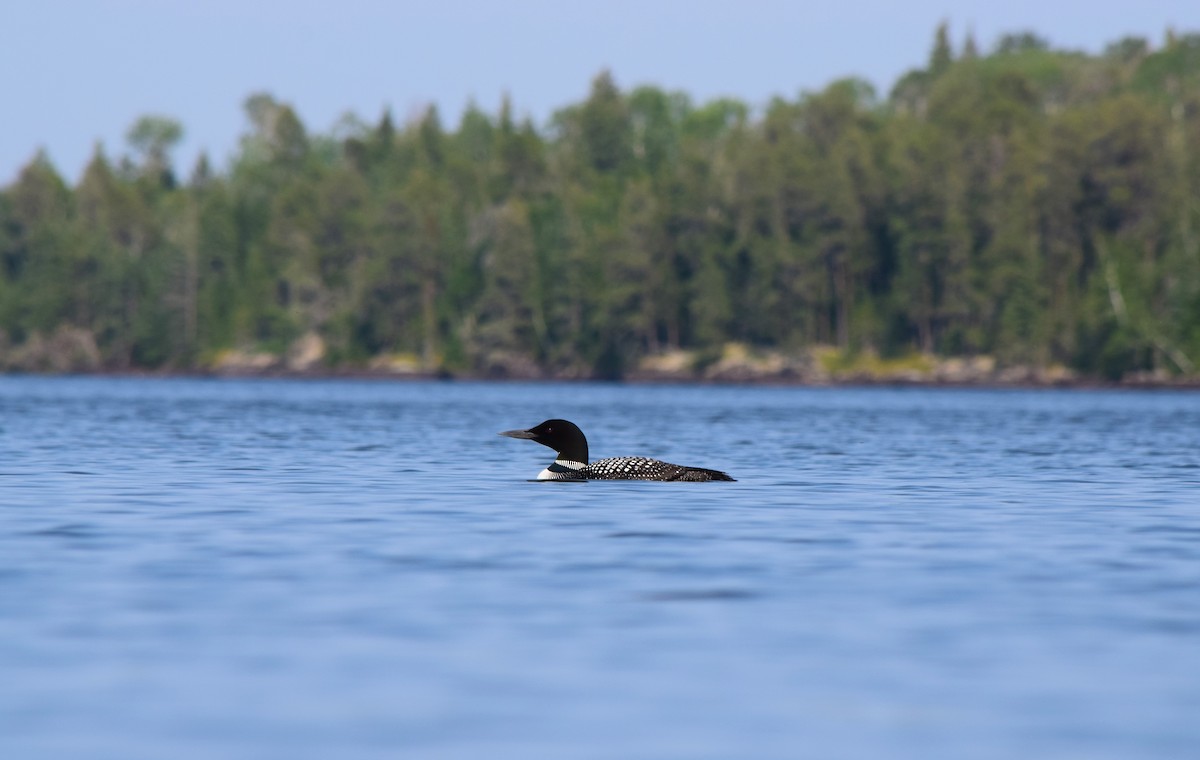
<point>562,436</point>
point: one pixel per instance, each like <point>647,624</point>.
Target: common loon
<point>572,460</point>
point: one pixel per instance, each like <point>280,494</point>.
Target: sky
<point>77,73</point>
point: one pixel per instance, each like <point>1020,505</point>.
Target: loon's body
<point>572,460</point>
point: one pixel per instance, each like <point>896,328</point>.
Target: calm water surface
<point>199,569</point>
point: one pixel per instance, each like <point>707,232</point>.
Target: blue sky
<point>75,73</point>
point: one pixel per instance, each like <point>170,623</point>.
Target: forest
<point>1026,205</point>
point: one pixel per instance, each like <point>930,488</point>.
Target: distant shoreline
<point>640,379</point>
<point>733,363</point>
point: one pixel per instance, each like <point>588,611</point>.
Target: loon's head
<point>562,436</point>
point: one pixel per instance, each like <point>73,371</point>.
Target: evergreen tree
<point>941,57</point>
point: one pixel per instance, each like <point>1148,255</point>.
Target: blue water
<point>283,569</point>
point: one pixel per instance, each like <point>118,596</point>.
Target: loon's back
<point>641,468</point>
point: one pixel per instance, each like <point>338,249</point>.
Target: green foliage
<point>153,137</point>
<point>942,56</point>
<point>1173,71</point>
<point>1035,205</point>
<point>1018,43</point>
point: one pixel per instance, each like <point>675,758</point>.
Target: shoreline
<point>639,379</point>
<point>73,352</point>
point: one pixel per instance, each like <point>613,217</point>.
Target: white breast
<point>561,470</point>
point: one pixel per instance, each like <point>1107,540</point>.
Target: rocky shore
<point>735,364</point>
<point>75,352</point>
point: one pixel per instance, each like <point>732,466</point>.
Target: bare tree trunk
<point>428,319</point>
<point>191,278</point>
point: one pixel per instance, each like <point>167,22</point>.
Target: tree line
<point>1036,205</point>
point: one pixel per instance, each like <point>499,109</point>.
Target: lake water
<point>312,569</point>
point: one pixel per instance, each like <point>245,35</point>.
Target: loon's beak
<point>520,434</point>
